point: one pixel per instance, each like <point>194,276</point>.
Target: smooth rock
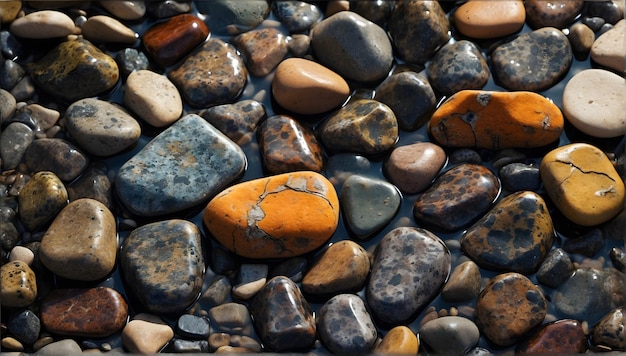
<point>8,104</point>
<point>449,335</point>
<point>297,16</point>
<point>583,184</point>
<point>476,19</point>
<point>589,244</point>
<point>23,254</point>
<point>463,284</point>
<point>400,340</point>
<point>9,10</point>
<point>284,215</point>
<point>408,271</point>
<point>43,24</point>
<point>163,264</point>
<point>61,347</point>
<point>231,319</point>
<point>238,121</point>
<point>516,177</point>
<point>594,101</point>
<point>125,10</point>
<point>12,73</point>
<point>610,11</point>
<point>251,279</point>
<point>43,116</point>
<point>610,330</point>
<point>193,326</point>
<point>234,16</point>
<point>94,183</point>
<point>299,45</point>
<point>458,66</point>
<point>168,42</point>
<point>19,285</point>
<point>169,8</point>
<point>565,336</point>
<point>412,168</point>
<point>496,120</point>
<point>153,98</point>
<point>262,50</point>
<point>218,292</point>
<point>306,87</point>
<point>11,343</point>
<point>509,307</point>
<point>105,29</point>
<point>559,13</point>
<point>57,156</point>
<point>581,38</point>
<point>188,346</point>
<point>25,326</point>
<point>14,141</point>
<point>555,269</point>
<point>376,11</point>
<point>41,199</point>
<point>345,326</point>
<point>146,334</point>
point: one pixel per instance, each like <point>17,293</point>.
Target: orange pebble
<point>399,341</point>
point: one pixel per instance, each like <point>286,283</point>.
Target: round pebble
<point>153,98</point>
<point>43,25</point>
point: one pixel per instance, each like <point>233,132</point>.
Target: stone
<point>410,267</point>
<point>400,340</point>
<point>105,29</point>
<point>93,313</point>
<point>376,11</point>
<point>516,177</point>
<point>306,87</point>
<point>100,127</point>
<point>341,268</point>
<point>589,244</point>
<point>412,168</point>
<point>19,285</point>
<point>45,117</point>
<point>457,198</point>
<point>74,70</point>
<point>610,11</point>
<point>218,292</point>
<point>368,204</point>
<point>463,284</point>
<point>557,14</point>
<point>125,10</point>
<point>25,326</point>
<point>459,66</point>
<point>555,269</point>
<point>282,316</point>
<point>9,10</point>
<point>130,60</point>
<point>595,23</point>
<point>193,326</point>
<point>261,49</point>
<point>251,279</point>
<point>292,268</point>
<point>582,183</point>
<point>363,126</point>
<point>231,319</point>
<point>565,336</point>
<point>449,335</point>
<point>8,104</point>
<point>610,330</point>
<point>153,98</point>
<point>299,45</point>
<point>594,101</point>
<point>57,156</point>
<point>188,346</point>
<point>233,16</point>
<point>11,343</point>
<point>146,334</point>
<point>534,61</point>
<point>43,24</point>
<point>287,146</point>
<point>168,42</point>
<point>618,258</point>
<point>61,347</point>
<point>213,74</point>
<point>94,183</point>
<point>496,120</point>
<point>345,326</point>
<point>164,265</point>
<point>508,308</point>
<point>237,121</point>
<point>356,48</point>
<point>23,254</point>
<point>279,216</point>
<point>168,8</point>
<point>475,18</point>
<point>180,168</point>
<point>581,38</point>
<point>15,139</point>
<point>297,16</point>
<point>41,199</point>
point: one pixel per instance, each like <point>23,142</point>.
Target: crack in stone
<point>255,215</point>
<point>583,171</point>
<point>469,118</point>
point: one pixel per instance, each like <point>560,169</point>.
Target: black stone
<point>193,327</point>
<point>517,177</point>
<point>25,326</point>
<point>586,245</point>
<point>555,269</point>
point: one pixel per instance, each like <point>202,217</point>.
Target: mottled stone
<point>516,177</point>
<point>345,326</point>
<point>476,18</point>
<point>19,284</point>
<point>41,199</point>
<point>56,155</point>
<point>282,316</point>
<point>262,50</point>
<point>102,28</point>
<point>126,9</point>
<point>408,271</point>
<point>413,167</point>
<point>582,183</point>
<point>286,146</point>
<point>14,141</point>
<point>61,347</point>
<point>609,49</point>
<point>168,42</point>
<point>153,98</point>
<point>559,14</point>
<point>163,265</point>
<point>449,335</point>
<point>463,284</point>
<point>297,16</point>
<point>94,183</point>
<point>353,46</point>
<point>95,312</point>
<point>565,336</point>
<point>555,269</point>
<point>496,120</point>
<point>533,61</point>
<point>43,24</point>
<point>458,66</point>
<point>457,197</point>
<point>211,75</point>
<point>74,70</point>
<point>251,279</point>
<point>181,167</point>
<point>400,340</point>
<point>234,16</point>
<point>146,334</point>
<point>610,331</point>
<point>283,215</point>
<point>193,326</point>
<point>25,326</point>
<point>509,307</point>
<point>238,121</point>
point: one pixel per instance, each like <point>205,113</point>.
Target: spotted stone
<point>345,326</point>
<point>237,121</point>
<point>41,199</point>
<point>557,14</point>
<point>565,336</point>
<point>458,66</point>
<point>610,330</point>
<point>297,16</point>
<point>168,42</point>
<point>58,156</point>
<point>262,50</point>
<point>19,284</point>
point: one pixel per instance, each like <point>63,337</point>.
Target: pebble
<point>595,23</point>
<point>412,168</point>
<point>74,70</point>
<point>457,197</point>
<point>41,342</point>
<point>587,171</point>
<point>12,74</point>
<point>581,38</point>
<point>610,11</point>
<point>125,10</point>
<point>610,330</point>
<point>181,167</point>
<point>130,60</point>
<point>153,98</point>
<point>496,120</point>
<point>43,116</point>
<point>555,269</point>
<point>12,343</point>
<point>100,127</point>
<point>368,204</point>
<point>418,29</point>
<point>287,146</point>
<point>56,155</point>
<point>400,340</point>
<point>9,10</point>
<point>345,326</point>
<point>508,308</point>
<point>410,96</point>
<point>297,16</point>
<point>376,11</point>
<point>146,334</point>
<point>25,326</point>
<point>232,319</point>
<point>594,101</point>
<point>237,121</point>
<point>587,245</point>
<point>292,268</point>
<point>218,292</point>
<point>61,347</point>
<point>458,66</point>
<point>363,126</point>
<point>19,285</point>
<point>565,336</point>
<point>8,104</point>
<point>252,277</point>
<point>299,45</point>
<point>213,74</point>
<point>95,312</point>
<point>167,8</point>
<point>517,177</point>
<point>94,183</point>
<point>193,326</point>
<point>475,18</point>
<point>283,215</point>
<point>262,50</point>
<point>23,254</point>
<point>409,268</point>
<point>341,268</point>
<point>43,24</point>
<point>164,265</point>
<point>618,258</point>
<point>234,16</point>
<point>168,42</point>
<point>105,29</point>
<point>449,335</point>
<point>557,14</point>
<point>14,141</point>
<point>463,284</point>
<point>41,199</point>
<point>282,316</point>
<point>188,346</point>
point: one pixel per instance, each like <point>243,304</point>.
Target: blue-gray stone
<point>345,326</point>
<point>242,15</point>
<point>297,16</point>
<point>458,66</point>
<point>193,326</point>
<point>25,326</point>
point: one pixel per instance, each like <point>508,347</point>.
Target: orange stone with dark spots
<point>284,215</point>
<point>496,120</point>
<point>169,41</point>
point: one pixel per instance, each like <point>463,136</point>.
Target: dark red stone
<point>562,337</point>
<point>169,41</point>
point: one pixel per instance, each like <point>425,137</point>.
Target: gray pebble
<point>228,16</point>
<point>516,177</point>
<point>25,326</point>
<point>130,60</point>
<point>345,326</point>
<point>297,16</point>
<point>8,105</point>
<point>11,74</point>
<point>555,269</point>
<point>193,327</point>
<point>587,245</point>
<point>14,140</point>
<point>449,335</point>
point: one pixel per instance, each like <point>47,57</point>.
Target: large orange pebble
<point>284,215</point>
<point>399,341</point>
<point>496,120</point>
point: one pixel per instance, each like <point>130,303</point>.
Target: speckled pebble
<point>14,141</point>
<point>345,326</point>
<point>565,336</point>
<point>412,168</point>
<point>449,335</point>
<point>41,199</point>
<point>153,98</point>
<point>43,24</point>
<point>458,66</point>
<point>193,326</point>
<point>559,13</point>
<point>238,121</point>
<point>261,49</point>
<point>19,284</point>
<point>146,334</point>
<point>610,330</point>
<point>297,16</point>
<point>463,284</point>
<point>130,60</point>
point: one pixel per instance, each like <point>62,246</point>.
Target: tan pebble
<point>431,315</point>
<point>463,284</point>
<point>476,18</point>
<point>610,48</point>
<point>217,340</point>
<point>19,285</point>
<point>21,253</point>
<point>43,341</point>
<point>232,350</point>
<point>153,97</point>
<point>248,290</point>
<point>12,343</point>
<point>45,117</point>
<point>9,9</point>
<point>102,28</point>
<point>146,334</point>
<point>125,10</point>
<point>42,25</point>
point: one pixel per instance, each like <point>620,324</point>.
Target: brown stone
<point>262,49</point>
<point>463,284</point>
<point>565,336</point>
<point>19,286</point>
<point>41,199</point>
<point>476,19</point>
<point>400,340</point>
<point>169,41</point>
<point>412,168</point>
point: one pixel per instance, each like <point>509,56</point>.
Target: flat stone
<point>57,156</point>
<point>583,183</point>
<point>557,14</point>
<point>126,9</point>
<point>262,50</point>
<point>555,269</point>
<point>61,347</point>
<point>193,326</point>
<point>459,66</point>
<point>345,326</point>
<point>43,24</point>
<point>19,284</point>
<point>463,284</point>
<point>449,335</point>
<point>25,326</point>
<point>594,101</point>
<point>163,265</point>
<point>297,16</point>
<point>581,37</point>
<point>496,120</point>
<point>14,141</point>
<point>400,340</point>
<point>153,98</point>
<point>610,330</point>
<point>262,218</point>
<point>238,121</point>
<point>181,167</point>
<point>41,199</point>
<point>412,168</point>
<point>168,42</point>
<point>146,334</point>
<point>565,336</point>
<point>105,29</point>
<point>234,16</point>
<point>609,49</point>
<point>475,18</point>
<point>251,279</point>
<point>95,312</point>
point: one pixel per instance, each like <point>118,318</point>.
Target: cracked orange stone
<point>279,216</point>
<point>496,120</point>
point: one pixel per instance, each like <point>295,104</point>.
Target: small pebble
<point>610,331</point>
<point>192,326</point>
<point>463,284</point>
<point>25,326</point>
<point>581,37</point>
<point>449,335</point>
<point>262,50</point>
<point>153,98</point>
<point>146,334</point>
<point>555,269</point>
<point>41,199</point>
<point>251,279</point>
<point>458,66</point>
<point>559,13</point>
<point>23,254</point>
<point>400,340</point>
<point>345,326</point>
<point>412,168</point>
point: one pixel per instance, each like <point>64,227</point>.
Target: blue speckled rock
<point>458,66</point>
<point>180,168</point>
<point>162,263</point>
<point>297,16</point>
<point>345,326</point>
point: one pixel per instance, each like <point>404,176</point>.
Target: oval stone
<point>458,66</point>
<point>463,284</point>
<point>565,336</point>
<point>583,183</point>
<point>496,120</point>
<point>609,49</point>
<point>476,18</point>
<point>95,312</point>
<point>449,335</point>
<point>146,334</point>
<point>559,13</point>
<point>412,168</point>
<point>163,264</point>
<point>19,285</point>
<point>87,253</point>
<point>44,24</point>
<point>169,41</point>
<point>345,326</point>
<point>284,215</point>
<point>153,98</point>
<point>41,199</point>
<point>101,28</point>
<point>457,197</point>
<point>297,16</point>
<point>14,141</point>
<point>400,340</point>
<point>409,269</point>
